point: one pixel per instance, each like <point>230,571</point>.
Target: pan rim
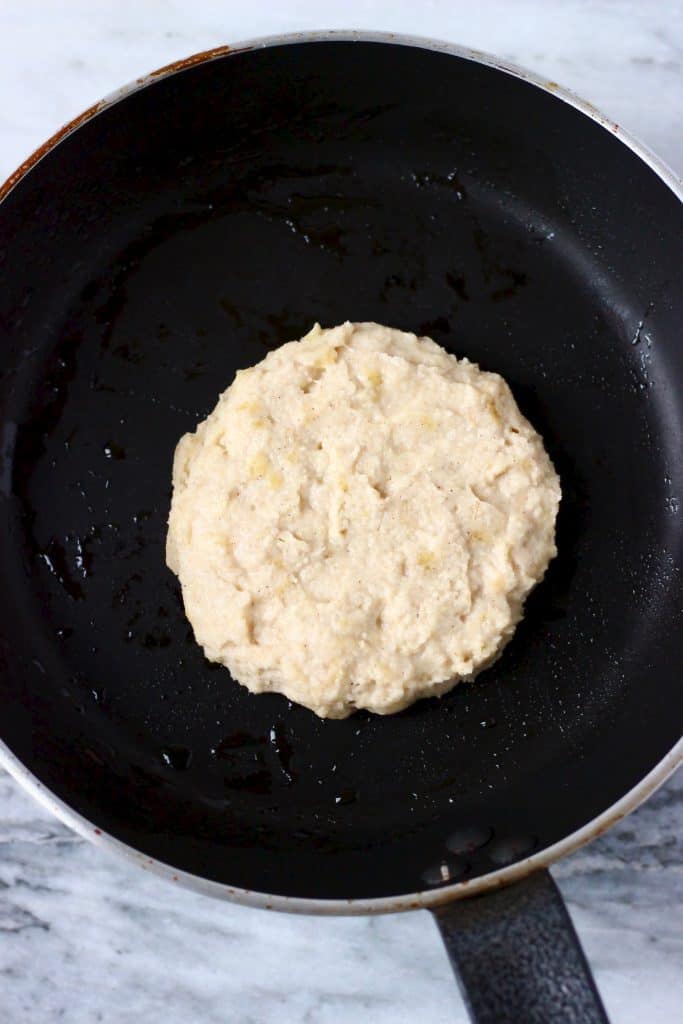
<point>566,95</point>
<point>419,899</point>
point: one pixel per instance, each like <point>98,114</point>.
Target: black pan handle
<point>517,957</point>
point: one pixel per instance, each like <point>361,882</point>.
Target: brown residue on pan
<point>71,126</point>
<point>188,62</point>
<point>39,153</point>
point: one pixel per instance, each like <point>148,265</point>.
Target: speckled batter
<point>359,520</point>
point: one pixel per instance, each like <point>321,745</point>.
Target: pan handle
<point>517,957</point>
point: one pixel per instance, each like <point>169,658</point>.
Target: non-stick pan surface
<point>178,236</point>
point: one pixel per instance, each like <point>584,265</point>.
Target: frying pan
<point>173,234</point>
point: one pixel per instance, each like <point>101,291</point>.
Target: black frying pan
<point>179,231</point>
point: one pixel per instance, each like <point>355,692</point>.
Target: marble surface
<point>85,937</point>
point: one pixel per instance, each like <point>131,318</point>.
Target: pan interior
<point>179,236</point>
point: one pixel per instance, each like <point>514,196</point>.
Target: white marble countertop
<point>85,937</point>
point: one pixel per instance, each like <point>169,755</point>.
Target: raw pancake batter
<point>359,520</point>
